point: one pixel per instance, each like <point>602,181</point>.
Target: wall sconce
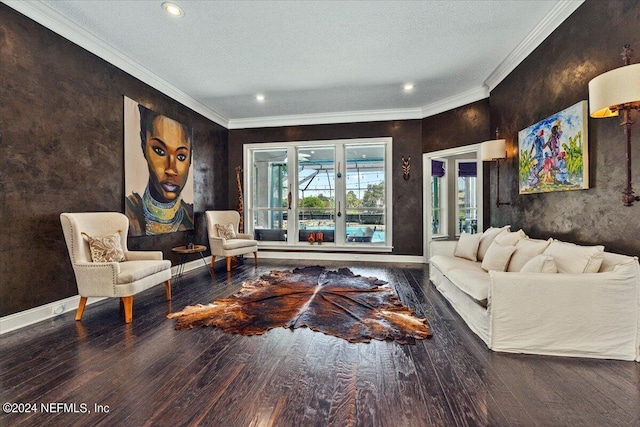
<point>406,167</point>
<point>495,150</point>
<point>614,91</point>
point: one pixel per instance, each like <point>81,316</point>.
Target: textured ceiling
<point>313,57</point>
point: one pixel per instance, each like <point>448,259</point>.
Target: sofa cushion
<point>473,283</point>
<point>446,263</point>
<point>572,258</point>
<point>540,264</point>
<point>487,238</point>
<point>510,238</point>
<point>497,257</point>
<point>467,246</point>
<point>525,250</point>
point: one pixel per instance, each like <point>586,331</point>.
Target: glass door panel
<point>316,193</point>
<point>269,203</point>
<point>438,198</point>
<point>365,194</point>
<point>467,198</point>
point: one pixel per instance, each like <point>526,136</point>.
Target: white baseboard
<point>37,314</point>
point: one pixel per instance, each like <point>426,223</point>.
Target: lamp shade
<point>614,89</point>
<point>494,149</point>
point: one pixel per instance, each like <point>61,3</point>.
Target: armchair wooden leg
<point>228,263</point>
<point>128,308</point>
<point>167,285</point>
<point>83,302</point>
<point>255,258</point>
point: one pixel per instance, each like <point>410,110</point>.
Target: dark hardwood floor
<point>148,374</point>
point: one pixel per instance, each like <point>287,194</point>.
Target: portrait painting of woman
<point>158,159</point>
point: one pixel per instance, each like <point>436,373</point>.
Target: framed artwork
<point>554,153</point>
<point>158,172</point>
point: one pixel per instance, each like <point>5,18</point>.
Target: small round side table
<point>184,252</point>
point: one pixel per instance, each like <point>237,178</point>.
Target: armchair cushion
<point>226,231</point>
<point>238,243</point>
<point>130,271</point>
<point>105,248</point>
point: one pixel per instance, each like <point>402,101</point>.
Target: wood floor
<point>148,374</point>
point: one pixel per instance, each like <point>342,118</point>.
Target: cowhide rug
<point>336,303</point>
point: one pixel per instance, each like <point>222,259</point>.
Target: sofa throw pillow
<point>487,239</point>
<point>226,231</point>
<point>467,246</point>
<point>540,264</point>
<point>510,238</point>
<point>105,248</point>
<point>525,250</point>
<point>497,257</point>
<point>572,258</point>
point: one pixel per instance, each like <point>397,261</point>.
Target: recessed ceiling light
<point>260,97</point>
<point>408,86</point>
<point>172,9</point>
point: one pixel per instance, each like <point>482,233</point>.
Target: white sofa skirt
<point>475,315</point>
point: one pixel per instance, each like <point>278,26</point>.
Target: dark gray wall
<point>61,138</point>
<point>458,127</point>
<point>407,195</point>
<point>554,77</point>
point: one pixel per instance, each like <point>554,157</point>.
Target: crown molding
<point>326,118</point>
<point>58,23</point>
<point>363,116</point>
<point>556,16</point>
<point>455,101</point>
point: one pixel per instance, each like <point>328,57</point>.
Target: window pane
<point>365,193</point>
<point>435,205</point>
<point>467,203</point>
<point>316,192</point>
<point>269,195</point>
<point>316,177</point>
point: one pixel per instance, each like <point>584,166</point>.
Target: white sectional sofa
<point>518,303</point>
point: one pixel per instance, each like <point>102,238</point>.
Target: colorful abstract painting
<point>158,172</point>
<point>554,154</point>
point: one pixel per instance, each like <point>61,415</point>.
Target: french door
<point>338,191</point>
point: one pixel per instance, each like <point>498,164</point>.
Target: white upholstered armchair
<point>139,270</point>
<point>225,246</point>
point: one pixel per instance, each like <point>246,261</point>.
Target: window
<point>270,196</point>
<point>467,206</point>
<point>438,198</point>
<point>338,188</point>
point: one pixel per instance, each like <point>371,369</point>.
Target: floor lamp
<point>614,91</point>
